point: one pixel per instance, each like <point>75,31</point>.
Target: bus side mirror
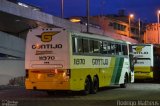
<point>135,60</point>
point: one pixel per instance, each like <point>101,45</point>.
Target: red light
<point>35,71</point>
<point>56,71</point>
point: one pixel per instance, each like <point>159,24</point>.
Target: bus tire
<point>124,85</point>
<point>87,86</point>
<point>95,85</point>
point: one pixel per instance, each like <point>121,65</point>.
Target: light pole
<point>139,29</point>
<point>62,8</point>
<point>130,17</point>
<point>158,13</point>
<point>88,6</point>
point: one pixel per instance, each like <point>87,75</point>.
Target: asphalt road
<point>137,94</point>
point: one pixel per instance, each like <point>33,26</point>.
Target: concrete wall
<point>12,45</point>
<point>11,69</point>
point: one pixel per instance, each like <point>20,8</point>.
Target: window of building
<point>135,31</point>
<point>118,26</point>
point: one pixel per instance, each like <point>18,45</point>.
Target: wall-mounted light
<point>75,20</point>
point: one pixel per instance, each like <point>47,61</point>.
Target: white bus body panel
<point>145,52</point>
<point>41,54</point>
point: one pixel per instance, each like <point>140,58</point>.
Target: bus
<point>148,58</point>
<point>61,60</point>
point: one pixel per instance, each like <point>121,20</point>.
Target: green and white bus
<point>58,59</point>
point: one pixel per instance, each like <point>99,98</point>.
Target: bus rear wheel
<point>95,85</point>
<point>87,86</point>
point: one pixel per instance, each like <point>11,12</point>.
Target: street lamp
<point>130,17</point>
<point>139,29</point>
<point>158,13</point>
<point>88,12</point>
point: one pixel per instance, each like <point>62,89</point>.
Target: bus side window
<point>101,47</point>
<point>90,46</point>
<point>96,46</point>
<point>124,50</point>
<point>79,45</point>
<point>118,49</point>
<point>74,44</point>
<point>113,48</point>
<point>109,48</point>
<point>85,46</point>
<point>104,48</point>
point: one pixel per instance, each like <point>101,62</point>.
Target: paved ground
<point>137,94</point>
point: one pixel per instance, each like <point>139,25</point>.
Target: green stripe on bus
<point>117,70</point>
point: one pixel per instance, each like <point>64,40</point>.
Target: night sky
<point>143,9</point>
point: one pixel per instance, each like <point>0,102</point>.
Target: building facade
<point>116,26</point>
<point>152,35</point>
<point>120,25</point>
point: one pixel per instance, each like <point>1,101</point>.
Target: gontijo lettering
<point>46,46</point>
<point>99,61</point>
